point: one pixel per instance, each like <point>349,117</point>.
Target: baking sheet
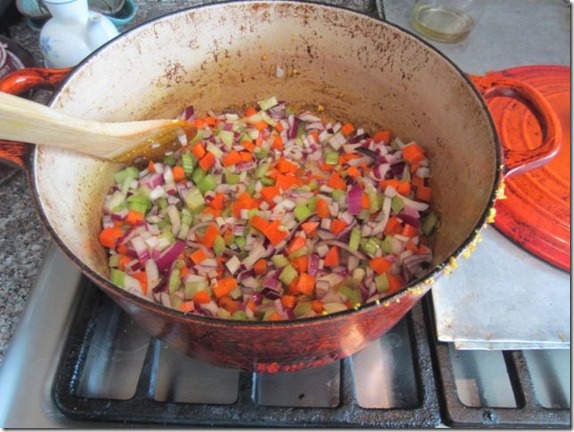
<point>503,297</point>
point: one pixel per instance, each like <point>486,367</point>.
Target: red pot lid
<point>536,213</point>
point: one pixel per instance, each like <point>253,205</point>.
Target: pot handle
<point>20,81</point>
<point>519,161</point>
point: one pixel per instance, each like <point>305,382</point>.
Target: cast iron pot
<point>217,56</point>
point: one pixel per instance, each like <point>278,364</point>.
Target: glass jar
<point>446,20</point>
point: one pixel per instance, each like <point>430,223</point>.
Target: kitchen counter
<point>511,32</point>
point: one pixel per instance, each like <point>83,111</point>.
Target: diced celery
<point>265,104</point>
<point>175,301</point>
<point>370,246</point>
<point>302,308</point>
<point>355,239</point>
<point>191,288</point>
<point>261,170</point>
<point>174,281</point>
<point>279,261</point>
<point>428,223</point>
<point>386,245</point>
<point>207,183</point>
<point>161,203</point>
<point>117,277</point>
<point>239,315</point>
<point>240,242</point>
<point>222,313</point>
<point>352,294</point>
<point>260,153</point>
<point>397,204</point>
<point>226,138</point>
<point>299,252</point>
<point>219,245</point>
<point>231,178</point>
<point>302,212</point>
<point>288,274</point>
<point>338,195</point>
<point>266,181</point>
<point>114,260</point>
<point>197,175</point>
<point>169,159</point>
<point>194,199</point>
<point>331,157</point>
<point>127,173</point>
<point>382,283</point>
<point>188,163</point>
<point>312,203</point>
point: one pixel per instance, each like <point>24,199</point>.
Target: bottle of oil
<point>446,20</point>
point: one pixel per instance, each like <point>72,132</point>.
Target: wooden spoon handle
<point>31,122</point>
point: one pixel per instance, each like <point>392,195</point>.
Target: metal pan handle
<point>19,82</point>
<point>519,161</point>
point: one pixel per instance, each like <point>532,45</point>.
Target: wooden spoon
<point>31,122</point>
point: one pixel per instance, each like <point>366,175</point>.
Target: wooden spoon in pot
<point>31,122</point>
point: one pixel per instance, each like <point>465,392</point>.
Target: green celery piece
<point>355,239</point>
<point>302,308</point>
<point>207,183</point>
<point>353,294</point>
<point>338,195</point>
<point>261,170</point>
<point>219,245</point>
<point>192,288</point>
<point>239,315</point>
<point>114,260</point>
<point>188,163</point>
<point>231,178</point>
<point>429,223</point>
<point>194,199</point>
<point>397,204</point>
<point>312,203</point>
<point>161,203</point>
<point>268,103</point>
<point>370,246</point>
<point>331,157</point>
<point>198,137</point>
<point>227,138</point>
<point>118,277</point>
<point>266,181</point>
<point>302,212</point>
<point>129,172</point>
<point>169,160</point>
<point>174,280</point>
<point>240,242</point>
<point>197,175</point>
<point>386,245</point>
<point>382,283</point>
<point>279,261</point>
<point>288,274</point>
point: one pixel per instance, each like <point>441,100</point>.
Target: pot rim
<point>427,280</point>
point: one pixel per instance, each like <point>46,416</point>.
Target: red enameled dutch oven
<point>216,56</point>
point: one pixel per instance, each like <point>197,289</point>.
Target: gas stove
<point>77,360</point>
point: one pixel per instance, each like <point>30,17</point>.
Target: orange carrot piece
<point>199,150</point>
<point>260,125</point>
<point>187,306</point>
<point>409,231</point>
<point>413,153</point>
<point>382,136</point>
<point>404,188</point>
<point>288,301</point>
<point>258,222</point>
<point>207,161</point>
<point>297,243</point>
<point>417,181</point>
<point>423,193</point>
<point>201,297</point>
<point>178,173</point>
<point>198,256</point>
<point>151,166</point>
<point>389,182</point>
<point>365,202</point>
<point>134,217</point>
<point>141,276</point>
<point>284,166</point>
<point>306,284</point>
<point>224,286</point>
<point>268,193</point>
<point>394,226</point>
<point>301,264</point>
<point>274,234</point>
<point>337,226</point>
<point>317,306</point>
<point>249,111</point>
<point>274,316</point>
<point>310,228</point>
<point>322,208</point>
<point>332,259</point>
<point>124,260</point>
<point>248,145</point>
<point>260,267</point>
<point>353,171</point>
<point>210,235</point>
<point>396,281</point>
<point>231,158</point>
<point>218,201</point>
<point>347,129</point>
<point>380,265</point>
<point>336,182</point>
<point>277,142</point>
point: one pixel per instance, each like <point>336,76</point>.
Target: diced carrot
<point>245,156</point>
<point>292,287</point>
<point>277,142</point>
<point>417,181</point>
<point>122,249</point>
<point>382,136</point>
<point>258,222</point>
<point>301,264</point>
<point>326,167</point>
<point>251,304</point>
<point>338,226</point>
<point>218,201</point>
<point>404,187</point>
<point>297,243</point>
<point>396,281</point>
<point>322,208</point>
<point>141,276</point>
<point>227,303</point>
<point>306,284</point>
<point>211,233</point>
<point>124,260</point>
<point>183,272</point>
<point>198,256</point>
<point>332,258</point>
<point>210,121</point>
<point>274,316</point>
<point>109,236</point>
<point>365,202</point>
<point>199,150</point>
<point>178,173</point>
<point>249,111</point>
<point>187,306</point>
<point>231,158</point>
<point>260,267</point>
<point>389,182</point>
<point>260,125</point>
<point>199,123</point>
<point>394,226</point>
<point>423,193</point>
<point>278,127</point>
<point>134,217</point>
<point>315,135</point>
<point>409,230</point>
<point>211,211</point>
<point>151,166</point>
<point>268,193</point>
<point>336,182</point>
<point>284,166</point>
<point>380,265</point>
<point>310,228</point>
<point>287,181</point>
<point>288,301</point>
<point>224,286</point>
<point>248,145</point>
<point>201,297</point>
<point>207,161</point>
<point>274,233</point>
<point>347,129</point>
<point>413,153</point>
<point>317,305</point>
<point>353,171</point>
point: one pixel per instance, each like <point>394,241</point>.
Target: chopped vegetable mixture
<point>270,214</point>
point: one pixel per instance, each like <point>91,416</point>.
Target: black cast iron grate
<point>245,411</point>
